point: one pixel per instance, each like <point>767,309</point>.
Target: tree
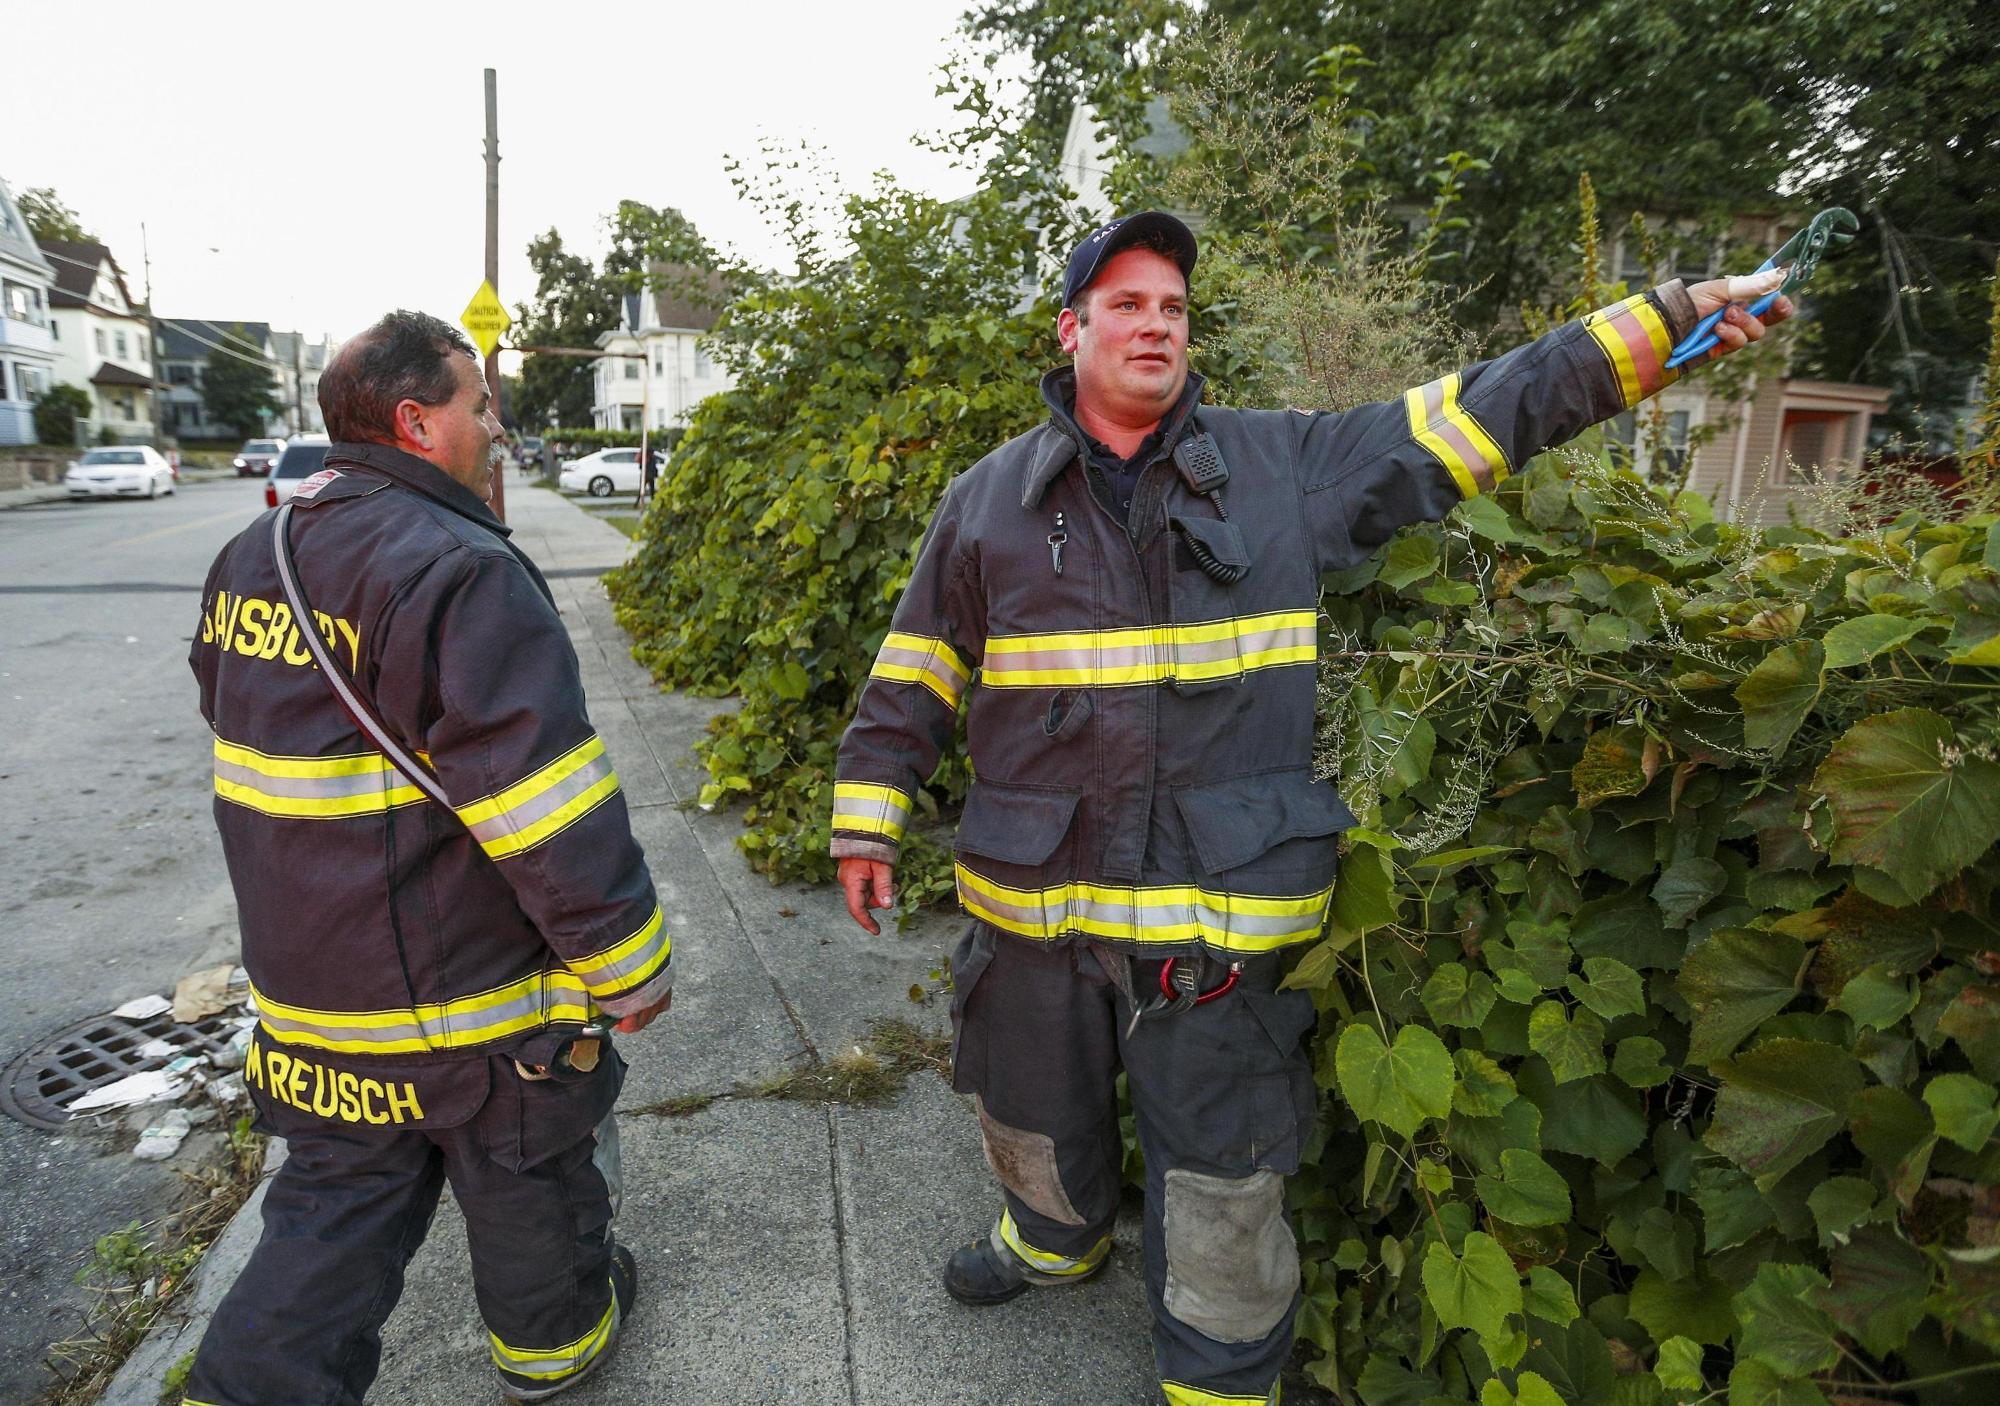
<point>57,410</point>
<point>49,218</point>
<point>238,390</point>
<point>575,301</point>
<point>572,304</point>
<point>1692,112</point>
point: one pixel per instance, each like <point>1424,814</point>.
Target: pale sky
<point>313,166</point>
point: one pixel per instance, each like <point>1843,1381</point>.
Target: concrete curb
<point>176,1332</point>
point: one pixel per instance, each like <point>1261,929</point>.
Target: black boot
<point>983,1274</point>
<point>625,1290</point>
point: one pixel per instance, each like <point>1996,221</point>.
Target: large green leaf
<point>1876,999</point>
<point>1640,1061</point>
<point>1686,885</point>
<point>1907,798</point>
<point>1411,557</point>
<point>1477,1289</point>
<point>1779,693</point>
<point>1896,1133</point>
<point>1695,1307</point>
<point>1455,996</point>
<point>1400,1086</point>
<point>1529,1390</point>
<point>1609,988</point>
<point>1572,1042</point>
<point>1679,1367</point>
<point>1880,1284</point>
<point>1732,982</point>
<point>1528,1191</point>
<point>1594,1117</point>
<point>1754,1384</point>
<point>1780,1102</point>
<point>1839,1204</point>
<point>1972,1021</point>
<point>1962,1107</point>
<point>1549,1297</point>
<point>1858,640</point>
<point>1364,898</point>
<point>1612,764</point>
<point>1484,1088</point>
<point>1782,1325</point>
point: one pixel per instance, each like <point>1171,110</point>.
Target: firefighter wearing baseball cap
<point>432,980</point>
<point>1126,599</point>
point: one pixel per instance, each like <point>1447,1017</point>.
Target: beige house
<point>103,341</point>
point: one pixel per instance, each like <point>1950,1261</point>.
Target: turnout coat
<point>1140,729</point>
<point>382,933</point>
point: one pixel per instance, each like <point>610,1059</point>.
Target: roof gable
<point>16,241</point>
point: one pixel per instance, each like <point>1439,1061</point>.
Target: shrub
<point>57,410</point>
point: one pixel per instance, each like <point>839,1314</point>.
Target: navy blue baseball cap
<point>1123,233</point>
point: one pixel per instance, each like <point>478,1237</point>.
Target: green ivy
<point>1663,1053</point>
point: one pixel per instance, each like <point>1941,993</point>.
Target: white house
<point>102,340</point>
<point>27,341</point>
<point>657,369</point>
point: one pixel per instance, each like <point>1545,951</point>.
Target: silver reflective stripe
<point>869,814</point>
<point>608,977</point>
<point>545,803</point>
<point>314,788</point>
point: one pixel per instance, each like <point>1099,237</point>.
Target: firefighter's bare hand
<point>639,1020</point>
<point>868,883</point>
<point>1738,328</point>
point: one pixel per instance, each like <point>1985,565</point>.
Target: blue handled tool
<point>1798,256</point>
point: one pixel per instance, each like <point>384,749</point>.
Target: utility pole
<point>153,345</point>
<point>493,269</point>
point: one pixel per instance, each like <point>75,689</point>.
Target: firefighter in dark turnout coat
<point>421,978</point>
<point>1129,593</point>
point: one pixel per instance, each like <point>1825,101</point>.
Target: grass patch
<point>627,523</point>
<point>870,1074</point>
<point>136,1272</point>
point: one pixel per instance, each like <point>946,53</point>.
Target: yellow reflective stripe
<point>922,660</point>
<point>865,808</point>
<point>533,1001</point>
<point>543,803</point>
<point>1247,923</point>
<point>1042,1261</point>
<point>1459,442</point>
<point>1147,654</point>
<point>632,962</point>
<point>1181,1394</point>
<point>543,1364</point>
<point>310,788</point>
<point>352,764</point>
<point>1633,337</point>
<point>306,808</point>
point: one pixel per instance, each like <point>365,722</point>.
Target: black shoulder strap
<point>338,678</point>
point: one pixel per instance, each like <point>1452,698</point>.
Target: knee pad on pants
<point>1025,1163</point>
<point>1232,1265</point>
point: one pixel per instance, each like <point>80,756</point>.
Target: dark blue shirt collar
<point>420,476</point>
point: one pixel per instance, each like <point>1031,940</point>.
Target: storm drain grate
<point>39,1087</point>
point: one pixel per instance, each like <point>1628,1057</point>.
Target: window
<point>632,367</point>
<point>180,375</point>
<point>1656,451</point>
<point>700,361</point>
<point>659,362</point>
<point>119,338</point>
<point>3,381</point>
<point>31,381</point>
<point>98,333</point>
<point>23,304</point>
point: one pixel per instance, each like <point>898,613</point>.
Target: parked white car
<point>602,474</point>
<point>125,471</point>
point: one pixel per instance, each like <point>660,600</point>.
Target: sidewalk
<point>789,1252</point>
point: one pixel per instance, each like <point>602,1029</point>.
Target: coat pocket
<point>1245,819</point>
<point>1015,824</point>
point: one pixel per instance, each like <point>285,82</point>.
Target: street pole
<point>493,270</point>
<point>153,346</point>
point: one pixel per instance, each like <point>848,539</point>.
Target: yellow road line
<point>159,532</point>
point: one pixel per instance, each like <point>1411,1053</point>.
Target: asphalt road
<point>112,884</point>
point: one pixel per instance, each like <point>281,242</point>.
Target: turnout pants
<point>1224,1098</point>
<point>534,1170</point>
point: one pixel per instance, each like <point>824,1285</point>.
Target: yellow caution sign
<point>485,318</point>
